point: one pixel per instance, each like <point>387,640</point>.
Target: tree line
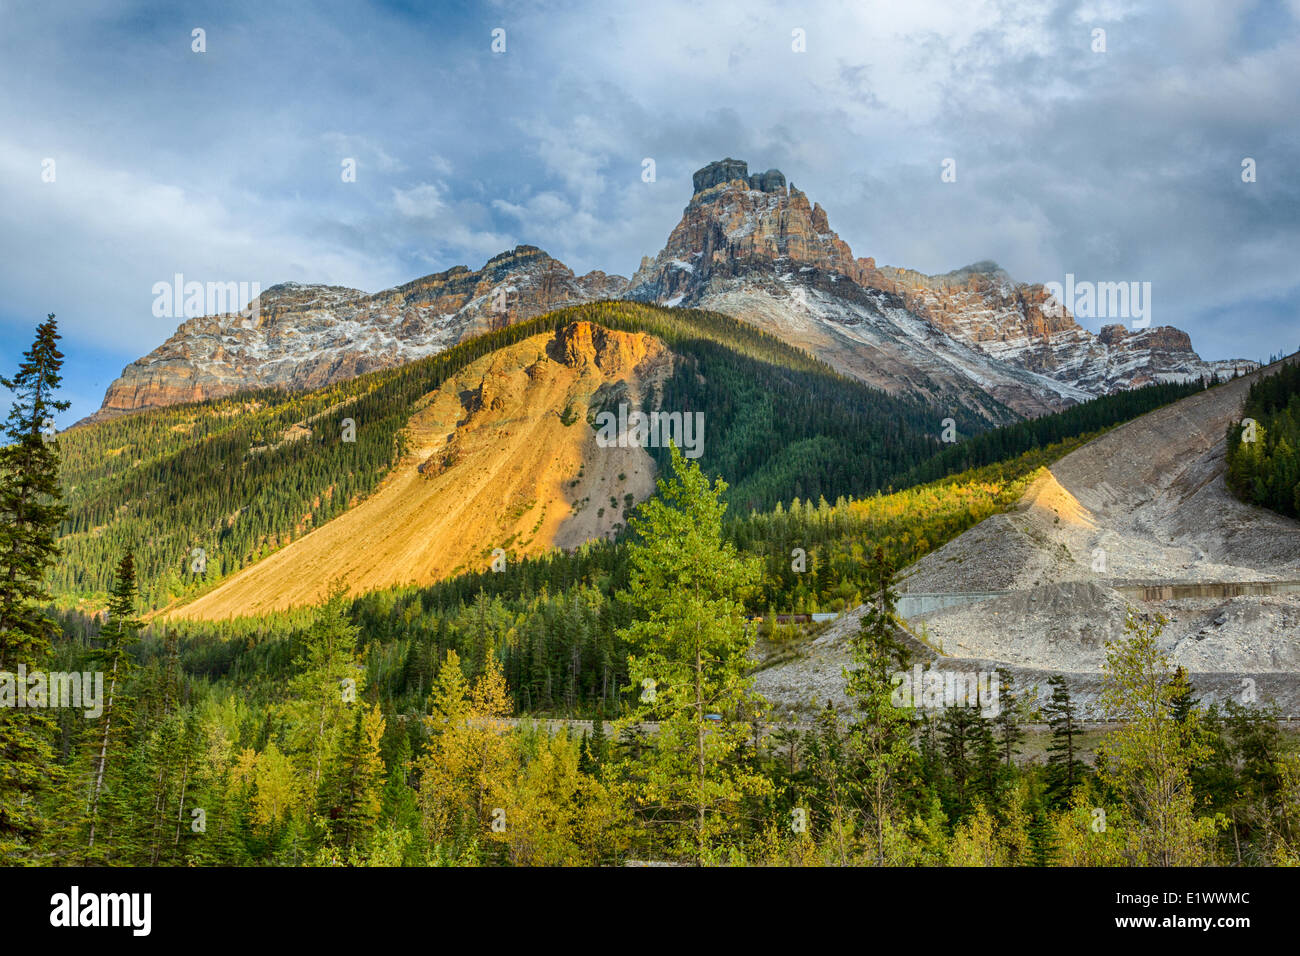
<point>1264,447</point>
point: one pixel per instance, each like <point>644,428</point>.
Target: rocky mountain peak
<point>728,170</point>
<point>749,245</point>
<point>735,224</point>
<point>312,335</point>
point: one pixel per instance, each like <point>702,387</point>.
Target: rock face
<point>771,258</point>
<point>1014,322</point>
<point>749,246</point>
<point>306,336</point>
<point>735,170</point>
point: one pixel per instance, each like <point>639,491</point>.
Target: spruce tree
<point>881,737</point>
<point>118,635</point>
<point>1009,731</point>
<point>351,796</point>
<point>30,513</point>
<point>690,666</point>
<point>1063,770</point>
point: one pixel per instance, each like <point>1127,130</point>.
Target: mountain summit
<point>748,244</point>
<point>306,336</point>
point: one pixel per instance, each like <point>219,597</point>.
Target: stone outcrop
<point>306,336</point>
<point>736,170</point>
<point>1016,322</point>
<point>747,244</point>
<point>736,240</point>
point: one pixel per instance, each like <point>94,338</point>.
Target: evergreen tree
<point>959,730</point>
<point>30,512</point>
<point>689,667</point>
<point>119,634</point>
<point>352,794</point>
<point>881,736</point>
<point>1063,769</point>
<point>1009,731</point>
<point>328,683</point>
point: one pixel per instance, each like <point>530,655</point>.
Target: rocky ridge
<point>744,238</point>
<point>306,336</point>
<point>751,245</point>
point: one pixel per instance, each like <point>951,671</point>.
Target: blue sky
<point>225,165</point>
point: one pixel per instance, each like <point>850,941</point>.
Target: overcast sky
<point>226,165</point>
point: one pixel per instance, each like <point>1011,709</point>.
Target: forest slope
<point>498,458</point>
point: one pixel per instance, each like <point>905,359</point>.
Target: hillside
<point>1141,516</point>
<point>491,463</point>
<point>241,477</point>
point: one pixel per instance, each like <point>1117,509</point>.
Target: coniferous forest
<point>585,708</point>
<point>1264,447</point>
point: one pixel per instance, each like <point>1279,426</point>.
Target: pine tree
<point>1009,731</point>
<point>30,512</point>
<point>690,660</point>
<point>1182,700</point>
<point>880,738</point>
<point>351,796</point>
<point>329,681</point>
<point>118,635</point>
<point>1063,770</point>
<point>959,729</point>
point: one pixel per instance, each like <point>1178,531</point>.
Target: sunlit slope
<point>240,478</point>
<point>500,456</point>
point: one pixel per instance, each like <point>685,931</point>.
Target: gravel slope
<point>1144,503</point>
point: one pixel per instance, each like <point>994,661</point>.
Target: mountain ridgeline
<point>748,245</point>
<point>203,490</point>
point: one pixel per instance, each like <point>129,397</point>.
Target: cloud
<point>226,165</point>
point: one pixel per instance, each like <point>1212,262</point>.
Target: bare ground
<point>501,468</point>
<point>1144,503</point>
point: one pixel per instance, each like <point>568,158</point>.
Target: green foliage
<point>1065,769</point>
<point>243,726</point>
<point>1149,760</point>
<point>242,476</point>
<point>1001,444</point>
<point>880,742</point>
<point>1266,470</point>
<point>689,661</point>
<point>30,511</point>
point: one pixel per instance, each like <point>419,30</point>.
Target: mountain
<point>306,336</point>
<point>417,472</point>
<point>1138,520</point>
<point>753,247</point>
<point>1016,323</point>
<point>492,461</point>
<point>748,245</point>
